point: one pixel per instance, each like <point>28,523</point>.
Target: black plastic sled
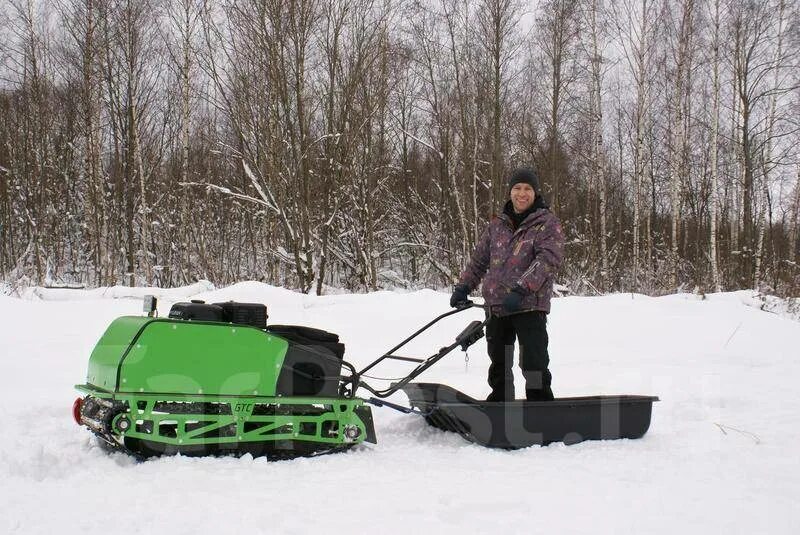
<point>519,424</point>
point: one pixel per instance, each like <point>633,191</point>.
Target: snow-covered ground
<point>720,456</point>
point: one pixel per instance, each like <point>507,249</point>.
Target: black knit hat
<point>524,175</point>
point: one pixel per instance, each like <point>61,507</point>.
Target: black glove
<point>513,300</point>
<point>459,297</point>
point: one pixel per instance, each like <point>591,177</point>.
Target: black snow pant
<point>531,330</point>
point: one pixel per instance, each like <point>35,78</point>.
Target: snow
<point>115,292</point>
<point>720,456</point>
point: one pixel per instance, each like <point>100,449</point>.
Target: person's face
<point>522,196</point>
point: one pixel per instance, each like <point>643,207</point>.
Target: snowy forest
<point>364,144</point>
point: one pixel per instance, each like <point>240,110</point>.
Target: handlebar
<point>471,334</point>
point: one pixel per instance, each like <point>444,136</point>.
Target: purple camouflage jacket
<point>528,257</point>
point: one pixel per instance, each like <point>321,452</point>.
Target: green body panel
<point>183,357</point>
<point>108,352</point>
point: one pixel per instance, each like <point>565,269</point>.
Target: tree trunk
<point>713,200</point>
<point>767,156</point>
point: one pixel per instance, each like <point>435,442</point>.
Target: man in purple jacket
<point>517,258</point>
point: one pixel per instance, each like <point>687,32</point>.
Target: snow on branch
<point>269,200</point>
<point>229,193</point>
<point>418,140</point>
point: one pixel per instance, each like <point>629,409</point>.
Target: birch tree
<point>715,115</point>
<point>767,162</point>
<point>682,57</point>
<point>635,27</point>
<point>595,51</point>
<point>497,21</point>
<point>754,41</point>
<point>558,34</point>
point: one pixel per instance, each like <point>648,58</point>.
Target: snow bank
<point>39,293</point>
<point>784,307</point>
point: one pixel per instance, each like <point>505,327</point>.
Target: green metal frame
<point>237,411</point>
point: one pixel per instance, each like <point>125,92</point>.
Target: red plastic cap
<point>76,410</point>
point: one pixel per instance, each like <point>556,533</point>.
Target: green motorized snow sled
<point>214,379</point>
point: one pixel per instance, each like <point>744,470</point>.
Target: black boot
<point>499,396</point>
<point>539,394</point>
